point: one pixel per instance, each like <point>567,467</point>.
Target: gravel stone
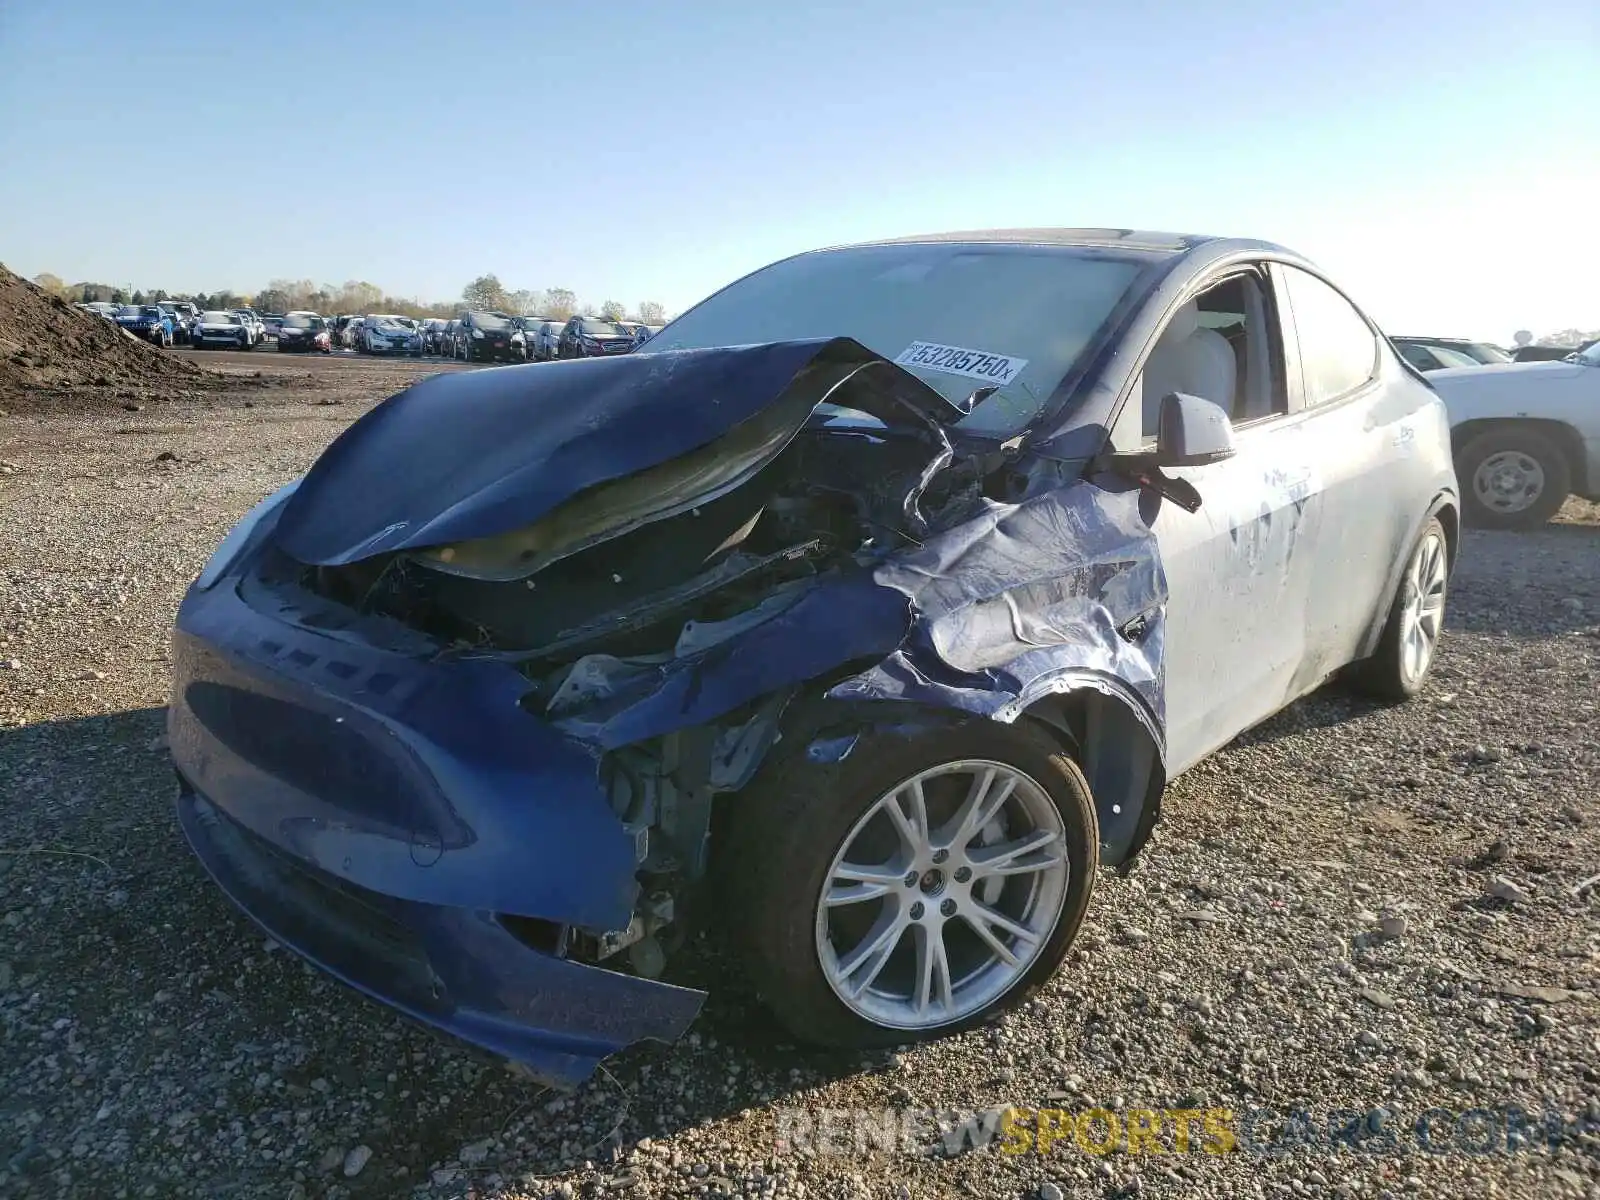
<point>356,1161</point>
<point>1503,889</point>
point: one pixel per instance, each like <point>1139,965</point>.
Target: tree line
<point>357,296</point>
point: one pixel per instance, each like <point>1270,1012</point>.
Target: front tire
<point>919,887</point>
<point>1410,641</point>
<point>1512,478</point>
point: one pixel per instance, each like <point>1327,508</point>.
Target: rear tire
<point>1512,478</point>
<point>1409,645</point>
<point>785,846</point>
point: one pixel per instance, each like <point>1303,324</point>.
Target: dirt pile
<point>53,355</point>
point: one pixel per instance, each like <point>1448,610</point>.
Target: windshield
<point>301,321</point>
<point>128,310</point>
<point>219,318</point>
<point>605,329</point>
<point>1485,353</point>
<point>488,320</point>
<point>1589,357</point>
<point>959,316</point>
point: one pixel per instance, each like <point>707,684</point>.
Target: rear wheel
<point>921,886</point>
<point>1410,641</point>
<point>1512,478</point>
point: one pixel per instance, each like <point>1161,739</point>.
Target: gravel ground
<point>153,1043</point>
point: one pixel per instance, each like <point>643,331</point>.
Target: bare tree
<point>612,310</point>
<point>51,283</point>
<point>485,292</point>
<point>651,312</point>
<point>560,302</point>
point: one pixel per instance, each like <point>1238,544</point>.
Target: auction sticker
<point>997,369</point>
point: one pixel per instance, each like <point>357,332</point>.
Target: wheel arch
<point>1115,742</point>
<point>1099,724</point>
<point>1446,509</point>
<point>1563,436</point>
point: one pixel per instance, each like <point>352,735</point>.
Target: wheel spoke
<point>976,911</point>
<point>863,883</point>
<point>1002,951</point>
<point>1021,857</point>
<point>1432,615</point>
<point>984,801</point>
<point>862,966</point>
<point>912,826</point>
<point>933,970</point>
<point>1416,651</point>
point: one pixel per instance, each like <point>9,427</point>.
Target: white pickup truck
<point>1526,436</point>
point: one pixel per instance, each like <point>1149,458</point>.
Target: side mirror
<point>1192,432</point>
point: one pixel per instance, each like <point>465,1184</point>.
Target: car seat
<point>1191,359</point>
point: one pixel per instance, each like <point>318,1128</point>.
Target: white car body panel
<point>1566,392</point>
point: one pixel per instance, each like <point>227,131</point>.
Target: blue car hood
<point>475,454</point>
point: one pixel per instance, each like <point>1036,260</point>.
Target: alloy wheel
<point>1422,619</point>
<point>942,895</point>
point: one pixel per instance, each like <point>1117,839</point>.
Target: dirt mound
<point>52,354</point>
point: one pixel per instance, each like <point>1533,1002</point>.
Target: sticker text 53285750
<point>996,369</point>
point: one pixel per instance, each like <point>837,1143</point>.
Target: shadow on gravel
<point>117,931</point>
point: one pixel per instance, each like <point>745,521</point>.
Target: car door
<point>1360,408</point>
<point>1238,570</point>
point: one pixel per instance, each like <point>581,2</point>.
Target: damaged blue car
<point>866,611</point>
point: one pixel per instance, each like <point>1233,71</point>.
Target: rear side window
<point>1338,350</point>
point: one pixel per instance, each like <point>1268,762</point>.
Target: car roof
<point>1132,239</point>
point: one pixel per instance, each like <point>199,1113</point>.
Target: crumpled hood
<point>476,454</point>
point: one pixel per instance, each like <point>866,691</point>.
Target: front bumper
<point>379,813</point>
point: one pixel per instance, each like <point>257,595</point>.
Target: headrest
<point>1184,322</point>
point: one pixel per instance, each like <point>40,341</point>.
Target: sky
<point>1440,160</point>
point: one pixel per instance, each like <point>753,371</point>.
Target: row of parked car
<point>180,323</point>
<point>474,336</point>
<point>487,336</point>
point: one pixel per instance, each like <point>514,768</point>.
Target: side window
<point>1220,346</point>
<point>1338,350</point>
